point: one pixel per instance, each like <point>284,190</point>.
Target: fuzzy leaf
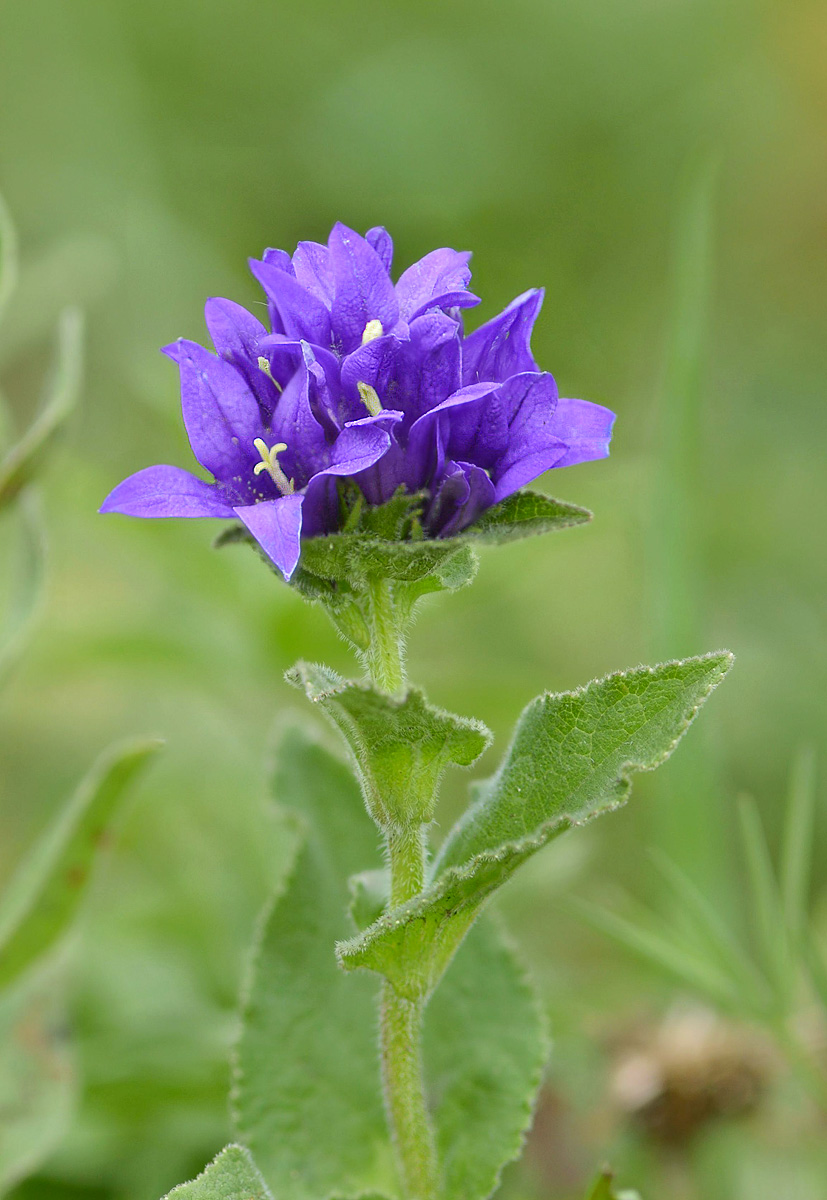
<point>24,458</point>
<point>525,514</point>
<point>46,893</point>
<point>306,1094</point>
<point>232,1175</point>
<point>571,759</point>
<point>37,1075</point>
<point>400,748</point>
<point>304,1020</point>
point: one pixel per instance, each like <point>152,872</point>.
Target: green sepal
<point>232,1175</point>
<point>525,514</point>
<point>23,460</point>
<point>386,541</point>
<point>45,894</point>
<point>570,760</point>
<point>400,746</point>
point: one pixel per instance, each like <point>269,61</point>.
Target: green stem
<point>385,652</point>
<point>401,1040</point>
<point>413,1135</point>
<point>400,1034</point>
<point>406,856</point>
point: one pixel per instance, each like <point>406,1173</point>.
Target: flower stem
<point>400,1034</point>
<point>413,1135</point>
<point>401,1041</point>
<point>385,661</point>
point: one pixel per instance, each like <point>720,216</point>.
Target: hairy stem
<point>413,1135</point>
<point>384,655</point>
<point>400,1035</point>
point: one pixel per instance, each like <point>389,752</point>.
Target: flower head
<point>364,379</point>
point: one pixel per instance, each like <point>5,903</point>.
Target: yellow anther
<point>269,463</point>
<point>264,365</point>
<point>373,330</point>
<point>370,399</point>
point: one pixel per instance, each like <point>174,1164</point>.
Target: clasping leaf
<point>400,747</point>
<point>571,759</point>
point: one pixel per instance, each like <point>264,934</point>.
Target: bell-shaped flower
<point>361,378</point>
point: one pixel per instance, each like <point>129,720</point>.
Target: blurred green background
<point>660,166</point>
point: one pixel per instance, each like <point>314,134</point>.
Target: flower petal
<point>427,366</point>
<point>164,491</point>
<point>382,242</point>
<point>502,346</point>
<point>439,280</point>
<point>311,262</point>
<point>431,435</point>
<point>373,364</point>
<point>364,291</point>
<point>585,428</point>
<point>302,315</point>
<point>534,445</point>
<point>221,414</point>
<point>465,491</point>
<point>236,335</point>
<point>276,525</point>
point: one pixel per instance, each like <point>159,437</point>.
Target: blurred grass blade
<point>46,893</point>
<point>719,938</point>
<point>27,584</point>
<point>771,929</point>
<point>673,530</point>
<point>798,841</point>
<point>662,951</point>
<point>8,256</point>
<point>23,459</point>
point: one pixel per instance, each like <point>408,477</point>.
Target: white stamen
<point>370,399</point>
<point>373,330</point>
<point>264,365</point>
<point>269,463</point>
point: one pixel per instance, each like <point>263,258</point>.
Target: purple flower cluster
<point>362,378</point>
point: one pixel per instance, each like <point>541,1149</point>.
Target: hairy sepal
<point>571,759</point>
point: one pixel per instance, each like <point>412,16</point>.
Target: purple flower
<point>361,378</point>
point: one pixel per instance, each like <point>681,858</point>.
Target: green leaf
<point>525,514</point>
<point>37,1075</point>
<point>485,1050</point>
<point>46,893</point>
<point>27,584</point>
<point>304,1020</point>
<point>400,747</point>
<point>23,459</point>
<point>306,1093</point>
<point>571,759</point>
<point>232,1175</point>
